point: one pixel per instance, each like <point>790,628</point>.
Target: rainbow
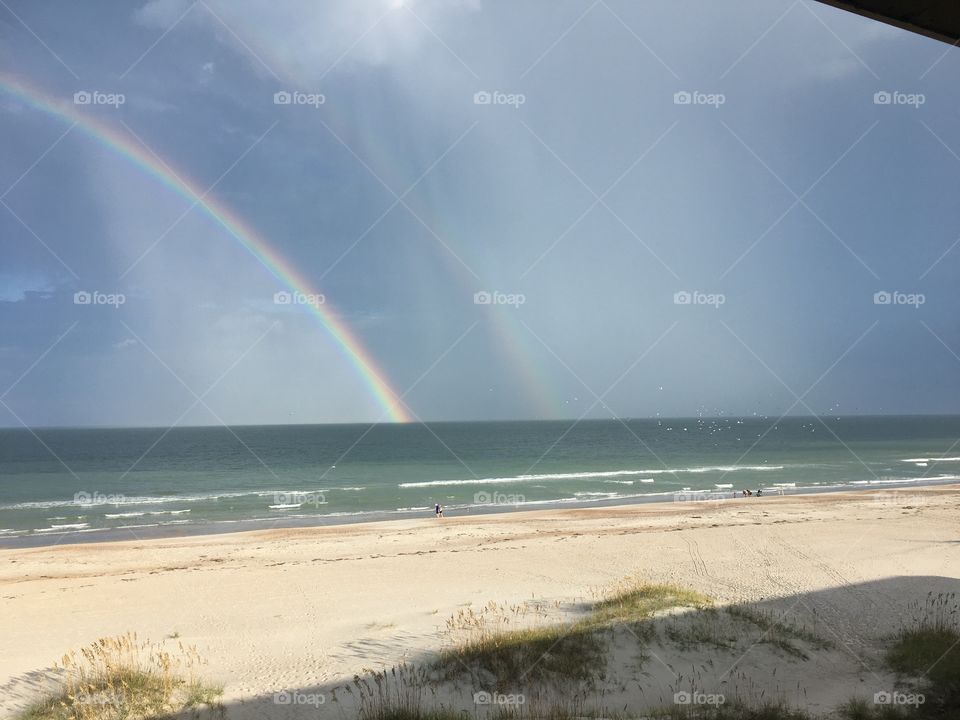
<point>517,348</point>
<point>268,257</point>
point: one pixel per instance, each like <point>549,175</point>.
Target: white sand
<point>303,609</point>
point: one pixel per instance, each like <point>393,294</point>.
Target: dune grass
<point>506,646</point>
<point>860,709</point>
<point>574,711</point>
<point>525,648</point>
<point>632,602</point>
<point>779,632</point>
<point>391,713</point>
<point>122,678</point>
<point>501,657</point>
<point>708,627</point>
<point>931,656</point>
<point>732,711</point>
<point>927,651</point>
<point>925,654</point>
<point>929,646</point>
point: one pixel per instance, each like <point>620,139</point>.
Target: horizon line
<point>694,418</point>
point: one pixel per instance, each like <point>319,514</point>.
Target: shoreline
<point>95,536</point>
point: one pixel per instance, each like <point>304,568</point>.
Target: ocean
<point>81,485</point>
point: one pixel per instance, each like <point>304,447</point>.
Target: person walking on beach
<point>438,510</point>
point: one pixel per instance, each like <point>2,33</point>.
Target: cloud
<point>20,288</point>
<point>303,38</point>
<point>161,13</point>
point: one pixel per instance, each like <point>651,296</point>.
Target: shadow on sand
<point>814,651</point>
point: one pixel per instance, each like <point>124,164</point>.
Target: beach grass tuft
<point>929,645</point>
<point>632,601</point>
<point>123,678</point>
<point>925,654</point>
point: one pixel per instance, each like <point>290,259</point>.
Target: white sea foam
<point>577,500</point>
<point>592,474</point>
<point>63,528</point>
<point>931,459</point>
<point>118,500</point>
<point>141,514</point>
<point>582,499</point>
<point>904,480</point>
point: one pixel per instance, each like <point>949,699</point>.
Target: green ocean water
<point>79,485</point>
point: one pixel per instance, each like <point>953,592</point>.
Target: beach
<point>295,609</point>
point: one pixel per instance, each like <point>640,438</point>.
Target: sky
<point>227,211</point>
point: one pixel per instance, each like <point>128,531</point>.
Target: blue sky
<point>779,201</point>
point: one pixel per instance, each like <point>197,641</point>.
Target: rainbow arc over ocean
<point>269,257</point>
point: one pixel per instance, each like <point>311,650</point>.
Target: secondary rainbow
<point>267,256</point>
